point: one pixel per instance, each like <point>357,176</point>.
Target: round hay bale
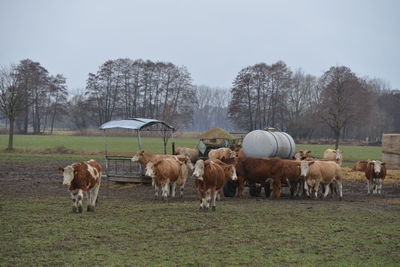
<point>391,150</point>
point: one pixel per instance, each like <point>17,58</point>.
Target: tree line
<point>339,104</point>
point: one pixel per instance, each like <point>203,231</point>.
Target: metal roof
<point>133,124</point>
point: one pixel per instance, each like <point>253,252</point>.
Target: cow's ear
<point>141,152</point>
<point>61,169</point>
<point>383,163</point>
<point>308,151</point>
<point>311,163</point>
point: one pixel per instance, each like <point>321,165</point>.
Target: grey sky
<point>213,39</point>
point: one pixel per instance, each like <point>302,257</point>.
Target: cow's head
<point>232,173</point>
<point>298,155</point>
<point>305,167</point>
<point>185,160</point>
<point>68,173</point>
<point>377,165</point>
<point>137,156</point>
<point>232,154</point>
<point>150,169</point>
<point>199,170</point>
<point>338,154</point>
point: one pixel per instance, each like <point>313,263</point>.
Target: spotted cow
<point>83,177</point>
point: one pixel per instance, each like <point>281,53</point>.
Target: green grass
<point>96,145</point>
<point>91,143</point>
<point>253,232</point>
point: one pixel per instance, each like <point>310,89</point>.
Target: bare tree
<point>343,99</point>
<point>11,99</point>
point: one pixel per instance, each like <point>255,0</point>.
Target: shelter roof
<point>133,124</point>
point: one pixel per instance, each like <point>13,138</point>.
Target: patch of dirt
<point>19,179</point>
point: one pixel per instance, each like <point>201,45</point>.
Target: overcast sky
<point>213,39</point>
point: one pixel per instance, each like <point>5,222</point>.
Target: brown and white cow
<point>375,174</point>
<point>360,166</point>
<point>221,153</point>
<point>192,153</point>
<point>143,158</point>
<point>302,154</point>
<point>83,177</point>
<point>168,172</point>
<point>334,155</point>
<point>317,172</point>
<point>209,179</point>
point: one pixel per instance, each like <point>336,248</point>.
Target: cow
<point>168,172</point>
<point>292,176</point>
<point>375,174</point>
<point>143,158</point>
<point>302,154</point>
<point>83,177</point>
<point>209,178</point>
<point>317,172</point>
<point>360,166</point>
<point>334,155</point>
<point>192,153</point>
<point>221,153</point>
<point>262,171</point>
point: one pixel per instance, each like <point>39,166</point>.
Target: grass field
<point>95,145</point>
<point>253,233</point>
<point>130,228</point>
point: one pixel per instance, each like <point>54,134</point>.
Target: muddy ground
<point>31,179</point>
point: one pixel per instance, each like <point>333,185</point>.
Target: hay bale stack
<point>391,150</point>
<point>214,134</point>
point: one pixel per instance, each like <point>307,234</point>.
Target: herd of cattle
<point>303,174</point>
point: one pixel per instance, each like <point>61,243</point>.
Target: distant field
<point>95,145</point>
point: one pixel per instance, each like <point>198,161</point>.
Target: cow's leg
<point>94,195</point>
<point>208,199</point>
<point>240,186</point>
<point>74,201</point>
<point>315,189</point>
<point>300,188</point>
<point>276,188</point>
<point>214,194</point>
<point>380,181</point>
<point>340,188</point>
<point>156,190</point>
<point>368,188</point>
<point>173,188</point>
<point>80,199</point>
<point>165,190</point>
<point>375,188</point>
<point>306,188</point>
<point>327,186</point>
<point>181,189</point>
<point>89,195</point>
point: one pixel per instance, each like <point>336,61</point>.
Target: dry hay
<point>216,132</point>
<point>392,176</point>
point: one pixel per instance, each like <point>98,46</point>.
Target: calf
<point>375,174</point>
<point>291,175</point>
<point>221,153</point>
<point>209,178</point>
<point>83,177</point>
<point>334,155</point>
<point>360,166</point>
<point>317,172</point>
<point>301,154</point>
<point>168,172</point>
<point>192,153</point>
